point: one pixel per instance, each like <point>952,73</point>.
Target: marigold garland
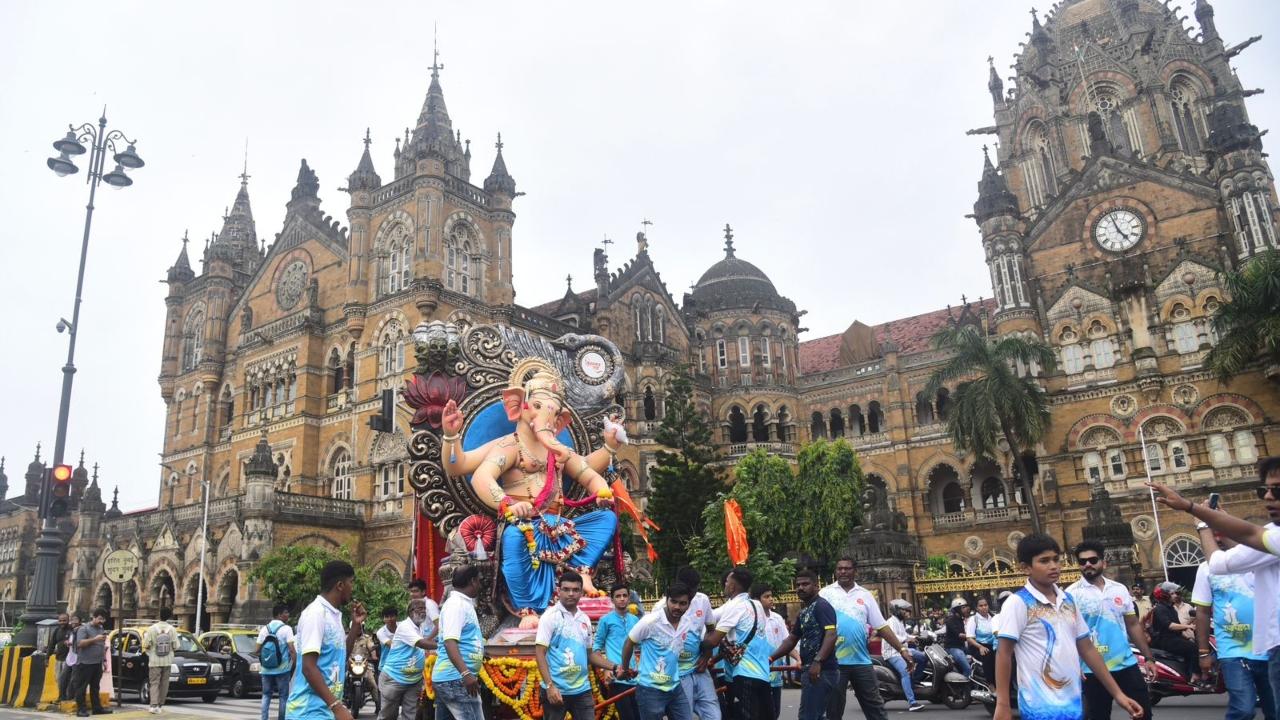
<point>514,682</point>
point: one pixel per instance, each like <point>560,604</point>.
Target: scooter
<point>1173,678</point>
<point>354,694</point>
<point>953,690</point>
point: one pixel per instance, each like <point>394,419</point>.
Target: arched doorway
<point>197,594</point>
<point>737,425</point>
<point>228,590</point>
<point>103,599</point>
<point>1182,556</point>
<point>163,591</point>
<point>760,424</point>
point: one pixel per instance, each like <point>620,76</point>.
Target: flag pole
<point>1155,510</point>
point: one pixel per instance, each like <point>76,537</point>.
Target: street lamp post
<point>42,601</point>
<point>204,541</point>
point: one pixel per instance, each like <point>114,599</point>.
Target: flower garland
<point>555,557</point>
<point>514,682</point>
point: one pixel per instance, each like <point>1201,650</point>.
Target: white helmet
<point>899,604</point>
<point>959,602</point>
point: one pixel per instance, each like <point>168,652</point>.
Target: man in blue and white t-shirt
<point>856,610</point>
<point>315,692</point>
<point>1043,628</point>
<point>275,678</point>
<point>564,654</point>
<point>400,671</point>
<point>743,623</point>
<point>1230,601</point>
<point>455,675</point>
<point>1107,608</point>
<point>660,635</point>
<point>611,635</point>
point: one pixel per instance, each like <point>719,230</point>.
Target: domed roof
<point>736,283</point>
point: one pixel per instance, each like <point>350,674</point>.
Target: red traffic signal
<point>60,480</point>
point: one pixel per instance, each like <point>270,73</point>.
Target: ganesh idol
<point>521,477</point>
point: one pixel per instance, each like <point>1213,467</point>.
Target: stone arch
<point>1182,551</point>
<point>1196,75</point>
<point>989,488</point>
<point>317,540</point>
<point>393,315</point>
<point>163,588</point>
<point>103,597</point>
<point>871,467</point>
<point>463,217</point>
<point>946,492</point>
<point>1088,422</point>
<point>1250,408</point>
<point>1173,412</point>
<point>228,585</point>
<point>391,225</point>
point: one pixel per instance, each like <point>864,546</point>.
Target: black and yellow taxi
<point>193,672</point>
<point>236,647</point>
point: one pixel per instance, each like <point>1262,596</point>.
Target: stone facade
<point>1126,178</point>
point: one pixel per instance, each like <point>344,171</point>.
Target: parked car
<point>236,647</point>
<point>193,673</point>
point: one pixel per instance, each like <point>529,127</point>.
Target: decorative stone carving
<point>292,283</point>
<point>1161,427</point>
<point>1123,406</point>
<point>1144,527</point>
<point>1224,418</point>
<point>1015,537</point>
<point>1099,437</point>
<point>1186,395</point>
<point>973,544</point>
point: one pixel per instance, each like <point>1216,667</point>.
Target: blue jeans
<point>278,684</point>
<point>1247,687</point>
<point>1273,674</point>
<point>701,691</point>
<point>962,661</point>
<point>453,701</point>
<point>655,703</point>
<point>901,666</point>
<point>815,696</point>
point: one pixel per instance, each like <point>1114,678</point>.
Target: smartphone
<point>1214,499</point>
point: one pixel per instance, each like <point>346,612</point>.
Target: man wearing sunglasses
<point>1258,552</point>
<point>1108,610</point>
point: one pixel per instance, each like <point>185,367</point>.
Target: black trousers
<point>581,706</point>
<point>90,677</point>
<point>776,694</point>
<point>1098,702</point>
<point>627,709</point>
<point>865,689</point>
<point>1183,648</point>
<point>752,699</point>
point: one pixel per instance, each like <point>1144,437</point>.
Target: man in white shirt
<point>455,674</point>
<point>418,591</point>
<point>400,675</point>
<point>1259,552</point>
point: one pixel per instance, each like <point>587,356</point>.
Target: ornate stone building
<point>1125,178</point>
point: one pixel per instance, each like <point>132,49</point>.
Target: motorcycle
<point>1173,678</point>
<point>953,690</point>
<point>355,693</point>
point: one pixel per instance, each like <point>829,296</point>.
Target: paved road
<point>1198,708</point>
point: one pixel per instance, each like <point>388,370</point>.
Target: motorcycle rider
<point>368,647</point>
<point>954,640</point>
<point>899,615</point>
<point>982,637</point>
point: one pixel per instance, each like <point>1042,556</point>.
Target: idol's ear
<point>512,399</point>
<point>563,420</point>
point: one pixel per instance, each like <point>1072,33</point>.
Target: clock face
<point>292,282</point>
<point>1119,230</point>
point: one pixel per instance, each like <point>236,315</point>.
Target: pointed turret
<point>433,136</point>
<point>994,197</point>
<point>237,243</point>
<point>1204,16</point>
<point>994,84</point>
<point>113,512</point>
<point>499,180</point>
<point>34,480</point>
<point>365,177</point>
<point>91,502</point>
<point>79,480</point>
<point>181,271</point>
<point>4,481</point>
<point>306,191</point>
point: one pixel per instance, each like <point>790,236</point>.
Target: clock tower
<point>1127,177</point>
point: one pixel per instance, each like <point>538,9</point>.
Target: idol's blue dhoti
<point>530,587</point>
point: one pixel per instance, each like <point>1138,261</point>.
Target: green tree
<point>991,400</point>
<point>1248,322</point>
<point>825,504</point>
<point>291,575</point>
<point>684,480</point>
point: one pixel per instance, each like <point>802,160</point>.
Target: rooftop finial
<point>436,67</point>
<point>244,174</point>
<point>104,112</point>
<point>728,240</point>
<point>499,144</point>
<point>367,139</point>
<point>184,238</point>
<point>568,281</point>
<point>606,242</point>
<point>81,457</point>
<point>95,473</point>
<point>646,222</point>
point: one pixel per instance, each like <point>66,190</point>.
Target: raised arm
<point>1242,531</point>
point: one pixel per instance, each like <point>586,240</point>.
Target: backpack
<point>164,643</point>
<point>272,656</point>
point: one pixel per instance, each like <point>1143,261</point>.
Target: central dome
<point>735,283</point>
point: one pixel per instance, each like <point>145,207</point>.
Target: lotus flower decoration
<point>428,394</point>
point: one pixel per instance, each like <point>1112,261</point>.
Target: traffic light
<point>385,421</point>
<point>59,490</point>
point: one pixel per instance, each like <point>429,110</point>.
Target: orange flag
<point>735,532</point>
<point>627,505</point>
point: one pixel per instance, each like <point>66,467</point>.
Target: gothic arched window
<point>659,325</point>
<point>837,423</point>
<point>875,417</point>
<point>857,424</point>
<point>391,347</point>
<point>458,249</point>
<point>397,259</point>
<point>1039,166</point>
<point>993,493</point>
<point>943,403</point>
<point>193,339</point>
<point>1118,123</point>
<point>650,405</point>
<point>737,425</point>
<point>1187,122</point>
<point>924,409</point>
<point>817,425</point>
<point>952,498</point>
<point>1072,358</point>
<point>335,372</point>
<point>759,424</point>
<point>340,468</point>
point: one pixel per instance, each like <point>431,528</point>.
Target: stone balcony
<point>289,507</point>
<point>785,449</point>
<point>981,516</point>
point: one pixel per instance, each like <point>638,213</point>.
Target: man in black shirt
<point>815,630</point>
<point>955,638</point>
<point>1166,630</point>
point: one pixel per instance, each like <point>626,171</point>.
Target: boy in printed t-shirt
<point>611,634</point>
<point>455,674</point>
<point>660,636</point>
<point>564,655</point>
<point>1042,627</point>
<point>743,622</point>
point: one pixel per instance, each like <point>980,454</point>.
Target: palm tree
<point>991,400</point>
<point>1248,323</point>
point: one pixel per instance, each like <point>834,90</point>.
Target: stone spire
<point>499,180</point>
<point>79,479</point>
<point>4,481</point>
<point>994,197</point>
<point>433,135</point>
<point>994,84</point>
<point>1204,16</point>
<point>34,480</point>
<point>728,241</point>
<point>114,511</point>
<point>237,243</point>
<point>181,270</point>
<point>92,499</point>
<point>365,177</point>
<point>306,191</point>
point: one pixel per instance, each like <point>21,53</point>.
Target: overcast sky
<point>829,134</point>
